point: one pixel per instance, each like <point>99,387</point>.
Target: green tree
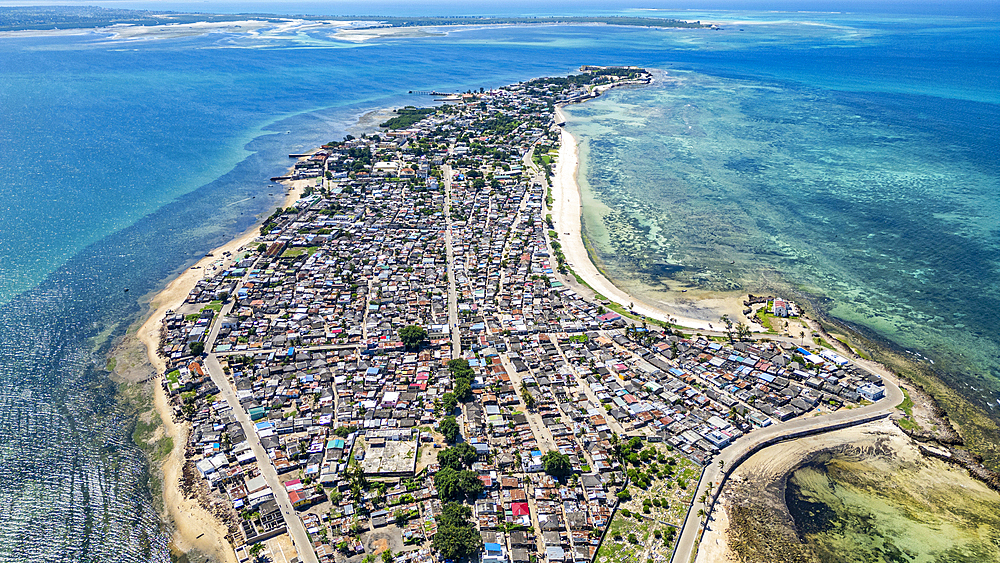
<point>449,427</point>
<point>456,537</point>
<point>457,485</point>
<point>457,457</point>
<point>527,397</point>
<point>412,336</point>
<point>742,331</point>
<point>449,401</point>
<point>463,390</point>
<point>729,326</point>
<point>459,367</point>
<point>557,464</point>
<point>196,348</point>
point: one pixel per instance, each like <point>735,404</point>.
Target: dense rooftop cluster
<point>401,344</point>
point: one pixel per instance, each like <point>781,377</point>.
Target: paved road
<point>296,529</point>
<point>742,448</point>
<point>456,338</point>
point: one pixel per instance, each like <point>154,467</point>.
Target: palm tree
<point>701,513</point>
<point>742,331</point>
<point>722,464</point>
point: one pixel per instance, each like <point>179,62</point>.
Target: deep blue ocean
<point>124,160</point>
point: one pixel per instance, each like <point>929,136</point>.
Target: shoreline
<point>755,497</point>
<point>567,217</point>
<point>194,527</point>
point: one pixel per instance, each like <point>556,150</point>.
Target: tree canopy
<point>412,336</point>
<point>457,485</point>
<point>457,457</point>
<point>557,464</point>
<point>449,402</point>
<point>449,427</point>
<point>456,537</point>
<point>462,375</point>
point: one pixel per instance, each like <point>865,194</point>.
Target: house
<point>871,392</point>
<point>493,553</point>
<point>780,307</point>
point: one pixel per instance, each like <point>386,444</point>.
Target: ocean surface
<point>854,155</point>
<point>859,172</point>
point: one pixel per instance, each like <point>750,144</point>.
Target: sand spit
<point>567,214</point>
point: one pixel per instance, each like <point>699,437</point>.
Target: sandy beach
<point>194,527</point>
<point>567,217</point>
<point>763,474</point>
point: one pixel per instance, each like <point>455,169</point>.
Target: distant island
<point>23,18</point>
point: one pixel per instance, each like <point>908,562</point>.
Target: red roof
<point>520,508</point>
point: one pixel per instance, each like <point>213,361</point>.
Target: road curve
<point>747,445</point>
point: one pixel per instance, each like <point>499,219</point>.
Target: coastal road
<point>296,529</point>
<point>456,337</point>
<point>750,443</point>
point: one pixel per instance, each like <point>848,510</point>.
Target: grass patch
<point>907,404</point>
<point>299,251</point>
<point>214,306</point>
<point>823,343</point>
<point>112,362</point>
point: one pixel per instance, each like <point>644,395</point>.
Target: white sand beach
<point>567,217</point>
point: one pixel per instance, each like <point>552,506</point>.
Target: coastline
<point>194,527</point>
<point>567,216</point>
<point>752,521</point>
<point>567,213</point>
<point>197,529</point>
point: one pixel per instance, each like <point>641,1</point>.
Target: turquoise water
<point>853,508</point>
<point>880,203</point>
<point>126,160</point>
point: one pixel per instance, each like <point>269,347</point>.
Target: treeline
<point>407,116</point>
<point>491,20</point>
<point>588,77</point>
<point>85,17</point>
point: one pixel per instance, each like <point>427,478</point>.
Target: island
<point>402,364</point>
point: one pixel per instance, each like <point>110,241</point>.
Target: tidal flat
<point>860,494</point>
